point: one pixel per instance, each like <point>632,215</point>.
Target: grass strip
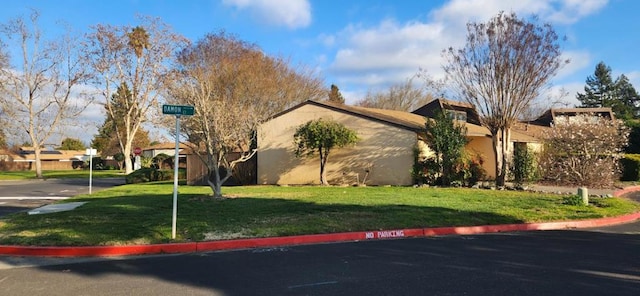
<point>141,213</point>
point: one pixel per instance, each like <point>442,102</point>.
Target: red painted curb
<point>97,250</point>
<point>311,239</point>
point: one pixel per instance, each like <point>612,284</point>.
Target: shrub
<point>152,175</point>
<point>584,151</point>
<point>523,166</point>
<point>630,167</point>
<point>634,137</point>
<point>447,138</point>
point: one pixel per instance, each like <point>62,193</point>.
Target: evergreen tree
<point>599,89</point>
<point>602,91</point>
<point>335,96</point>
<point>628,101</point>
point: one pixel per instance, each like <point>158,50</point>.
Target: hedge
<point>630,167</point>
<point>152,175</point>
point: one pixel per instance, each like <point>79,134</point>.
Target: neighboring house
<point>539,128</point>
<point>560,115</point>
<point>164,148</point>
<point>24,159</point>
<point>385,153</point>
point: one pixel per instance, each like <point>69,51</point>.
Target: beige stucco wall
<point>483,147</point>
<point>386,150</point>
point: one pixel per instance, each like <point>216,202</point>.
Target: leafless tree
<point>233,86</point>
<point>45,91</point>
<point>138,57</point>
<point>405,96</point>
<point>505,64</point>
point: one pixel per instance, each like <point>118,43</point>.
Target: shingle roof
<point>406,120</point>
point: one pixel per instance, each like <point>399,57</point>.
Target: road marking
<point>313,284</point>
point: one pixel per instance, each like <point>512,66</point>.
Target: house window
<point>457,115</point>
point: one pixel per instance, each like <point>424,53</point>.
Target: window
<point>457,115</point>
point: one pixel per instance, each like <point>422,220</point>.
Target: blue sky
<point>363,45</point>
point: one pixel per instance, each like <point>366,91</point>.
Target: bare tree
<point>138,57</point>
<point>405,96</point>
<point>45,91</point>
<point>233,86</point>
<point>505,64</point>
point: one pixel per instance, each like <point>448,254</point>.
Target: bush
<point>524,166</point>
<point>630,167</point>
<point>583,151</point>
<point>152,175</point>
<point>634,137</point>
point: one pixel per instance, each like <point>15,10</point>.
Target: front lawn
<point>23,175</point>
<point>141,213</point>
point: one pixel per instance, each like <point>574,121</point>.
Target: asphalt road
<point>526,263</point>
<point>24,195</point>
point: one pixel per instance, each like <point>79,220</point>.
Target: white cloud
<point>370,57</point>
<point>289,13</point>
<point>573,10</point>
<point>578,60</point>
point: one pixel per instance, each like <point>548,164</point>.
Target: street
<point>23,195</point>
<point>572,262</point>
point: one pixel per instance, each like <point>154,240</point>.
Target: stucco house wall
<point>385,150</point>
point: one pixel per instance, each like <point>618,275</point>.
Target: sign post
<point>177,110</point>
<point>91,153</point>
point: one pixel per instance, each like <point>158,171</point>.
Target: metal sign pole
<point>90,169</point>
<point>176,162</point>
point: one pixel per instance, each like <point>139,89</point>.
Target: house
<point>385,153</point>
<point>559,115</point>
<point>24,159</point>
<point>164,148</point>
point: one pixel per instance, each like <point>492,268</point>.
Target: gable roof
<point>406,120</point>
<point>438,105</point>
<point>401,119</point>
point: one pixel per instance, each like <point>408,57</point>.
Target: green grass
<point>23,175</point>
<point>141,213</point>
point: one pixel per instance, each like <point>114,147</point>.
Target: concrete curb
<point>193,247</point>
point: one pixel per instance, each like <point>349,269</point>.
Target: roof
<point>548,116</point>
<point>431,109</point>
<point>165,146</point>
<point>60,155</point>
<point>406,120</point>
<point>396,118</point>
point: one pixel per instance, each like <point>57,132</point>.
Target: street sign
<point>137,151</point>
<point>178,110</point>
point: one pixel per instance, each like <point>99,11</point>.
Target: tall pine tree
<point>602,91</point>
<point>599,89</point>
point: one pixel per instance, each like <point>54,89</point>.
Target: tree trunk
<point>128,165</point>
<point>323,162</point>
<point>495,140</point>
<point>506,156</point>
<point>36,154</point>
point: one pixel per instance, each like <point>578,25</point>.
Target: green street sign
<point>178,110</point>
